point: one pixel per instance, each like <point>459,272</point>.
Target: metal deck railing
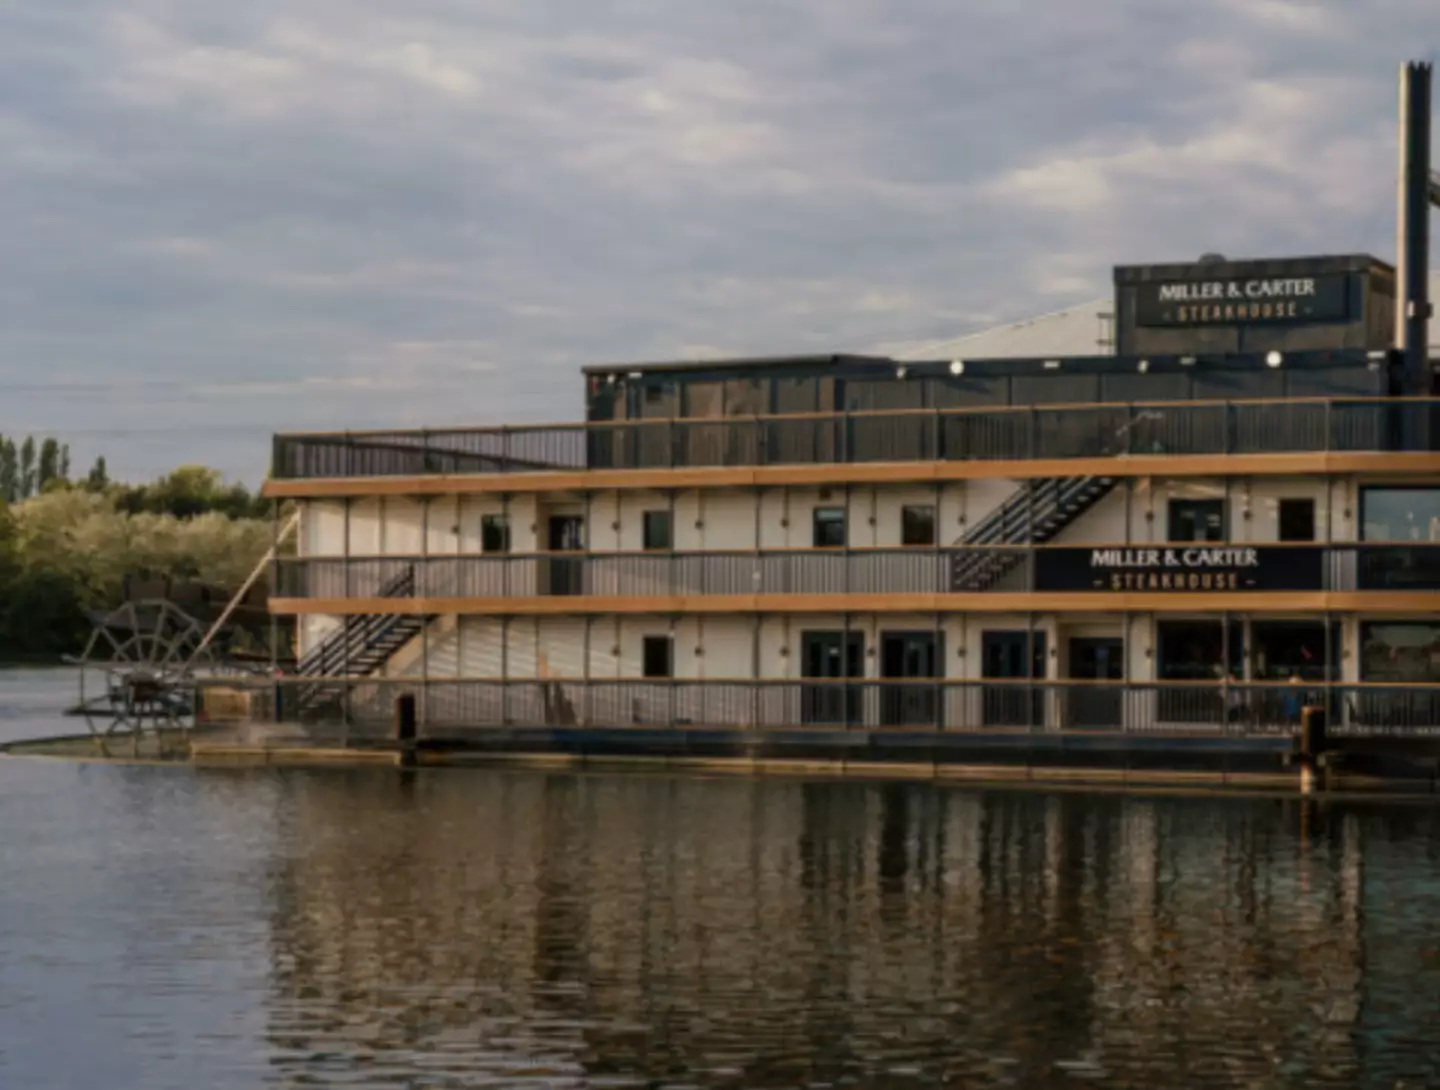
<point>1012,433</point>
<point>365,707</point>
<point>1363,566</point>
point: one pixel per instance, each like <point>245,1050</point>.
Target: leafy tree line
<point>67,545</point>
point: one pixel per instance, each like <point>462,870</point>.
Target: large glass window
<point>1400,514</point>
<point>1281,650</point>
<point>1195,650</point>
<point>1197,520</point>
<point>1400,651</point>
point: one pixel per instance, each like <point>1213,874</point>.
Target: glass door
<point>566,573</point>
<point>831,657</point>
<point>1013,657</point>
<point>905,656</point>
<point>1095,659</point>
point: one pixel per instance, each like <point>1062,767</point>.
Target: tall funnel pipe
<point>1412,299</point>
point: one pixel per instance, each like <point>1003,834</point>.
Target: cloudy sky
<point>226,219</point>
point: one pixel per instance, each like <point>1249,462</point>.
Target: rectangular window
<point>917,525</point>
<point>1297,520</point>
<point>657,655</point>
<point>1197,520</point>
<point>1404,651</point>
<point>829,528</point>
<point>655,531</point>
<point>1400,514</point>
<point>495,533</point>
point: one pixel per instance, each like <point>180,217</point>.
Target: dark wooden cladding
<point>1344,568</point>
<point>960,435</point>
<point>444,706</point>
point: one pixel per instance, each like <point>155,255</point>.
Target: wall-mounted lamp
<point>1051,365</point>
<point>900,372</point>
<point>957,367</point>
<point>1187,361</point>
<point>1273,359</point>
<point>1143,366</point>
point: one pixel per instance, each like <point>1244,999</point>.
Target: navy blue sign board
<point>1188,568</point>
<point>1250,301</point>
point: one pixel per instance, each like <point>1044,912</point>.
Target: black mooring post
<point>405,732</point>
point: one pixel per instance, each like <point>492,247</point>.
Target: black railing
<point>1342,567</point>
<point>1009,433</point>
<point>445,707</point>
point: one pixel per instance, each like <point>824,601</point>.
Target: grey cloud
<point>228,220</point>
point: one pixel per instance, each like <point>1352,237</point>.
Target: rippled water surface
<point>162,927</point>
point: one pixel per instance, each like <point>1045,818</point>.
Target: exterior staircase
<point>358,648</point>
<point>1030,517</point>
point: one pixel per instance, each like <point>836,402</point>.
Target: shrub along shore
<point>67,545</point>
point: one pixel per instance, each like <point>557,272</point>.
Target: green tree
<point>9,471</point>
<point>98,479</point>
<point>27,468</point>
<point>49,467</point>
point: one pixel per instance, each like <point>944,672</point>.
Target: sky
<point>226,220</point>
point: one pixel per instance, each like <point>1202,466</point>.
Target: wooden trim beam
<point>1398,464</point>
<point>1369,602</point>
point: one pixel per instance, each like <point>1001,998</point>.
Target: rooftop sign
<point>1243,301</point>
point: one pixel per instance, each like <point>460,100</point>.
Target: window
<point>1197,520</point>
<point>655,531</point>
<point>1400,651</point>
<point>657,655</point>
<point>1400,514</point>
<point>1297,520</point>
<point>829,528</point>
<point>917,525</point>
<point>495,533</point>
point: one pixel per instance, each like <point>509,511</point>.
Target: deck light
<point>1273,359</point>
<point>1143,366</point>
<point>1052,365</point>
<point>1188,361</point>
<point>900,371</point>
<point>957,367</point>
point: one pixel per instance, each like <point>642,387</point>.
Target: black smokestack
<point>1412,318</point>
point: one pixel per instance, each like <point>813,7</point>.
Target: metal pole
<point>244,590</point>
<point>422,590</point>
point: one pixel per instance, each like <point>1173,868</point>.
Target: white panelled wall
<point>739,646</point>
<point>720,520</point>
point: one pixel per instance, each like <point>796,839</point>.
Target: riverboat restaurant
<point>1231,510</point>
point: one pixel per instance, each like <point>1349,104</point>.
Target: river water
<point>166,927</point>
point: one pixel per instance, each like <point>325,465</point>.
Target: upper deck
<point>943,419</point>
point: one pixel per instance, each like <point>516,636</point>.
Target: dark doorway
<point>1013,657</point>
<point>905,656</point>
<point>565,574</point>
<point>831,656</point>
<point>1095,659</point>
